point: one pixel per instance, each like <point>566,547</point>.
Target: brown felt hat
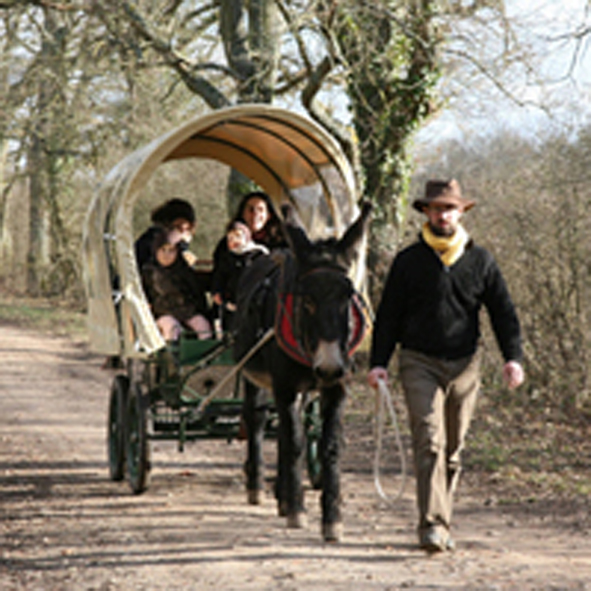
<point>443,192</point>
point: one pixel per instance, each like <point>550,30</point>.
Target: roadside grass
<point>530,456</point>
<point>48,316</point>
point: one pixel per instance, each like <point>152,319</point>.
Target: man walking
<point>430,307</point>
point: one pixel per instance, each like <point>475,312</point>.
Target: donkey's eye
<point>309,305</point>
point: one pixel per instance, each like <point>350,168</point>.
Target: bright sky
<point>561,83</point>
<point>553,22</point>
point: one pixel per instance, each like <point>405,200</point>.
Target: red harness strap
<point>284,329</point>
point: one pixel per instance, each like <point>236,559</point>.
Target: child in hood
<point>174,290</point>
<point>228,265</point>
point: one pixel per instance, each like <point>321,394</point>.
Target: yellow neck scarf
<point>449,249</point>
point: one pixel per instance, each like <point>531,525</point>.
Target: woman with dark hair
<point>174,214</point>
<point>257,213</point>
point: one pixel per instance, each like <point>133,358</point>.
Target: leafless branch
<point>181,65</point>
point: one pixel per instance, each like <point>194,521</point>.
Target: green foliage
<point>393,71</point>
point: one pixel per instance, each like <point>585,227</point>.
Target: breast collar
<point>288,306</point>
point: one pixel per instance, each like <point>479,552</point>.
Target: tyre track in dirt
<point>65,526</point>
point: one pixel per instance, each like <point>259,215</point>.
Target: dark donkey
<point>309,293</point>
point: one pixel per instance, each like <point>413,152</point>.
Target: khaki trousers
<point>441,397</point>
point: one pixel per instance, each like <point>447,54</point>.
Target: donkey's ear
<point>290,215</point>
<point>348,244</point>
<point>294,230</point>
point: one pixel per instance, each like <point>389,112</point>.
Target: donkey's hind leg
<point>255,418</point>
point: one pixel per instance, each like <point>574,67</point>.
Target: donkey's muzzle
<point>328,363</point>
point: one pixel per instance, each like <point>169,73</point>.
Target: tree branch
<point>314,77</point>
<point>200,86</point>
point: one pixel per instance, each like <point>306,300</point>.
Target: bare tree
<point>50,130</point>
<point>380,59</point>
<point>370,72</point>
<point>532,213</point>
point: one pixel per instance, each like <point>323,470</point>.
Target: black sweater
<point>227,268</point>
<point>434,309</point>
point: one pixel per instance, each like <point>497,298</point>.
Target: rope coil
<point>383,402</point>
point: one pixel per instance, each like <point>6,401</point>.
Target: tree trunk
<point>251,51</point>
<point>45,224</point>
<point>37,255</point>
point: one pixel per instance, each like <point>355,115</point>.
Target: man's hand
<point>513,374</point>
<point>375,375</point>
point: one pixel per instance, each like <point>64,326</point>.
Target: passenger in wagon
<point>174,214</point>
<point>240,252</point>
<point>173,289</point>
<point>257,213</point>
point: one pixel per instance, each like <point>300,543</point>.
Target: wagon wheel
<point>137,448</point>
<point>313,430</point>
<point>116,427</point>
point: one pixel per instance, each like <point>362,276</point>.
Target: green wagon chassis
<point>154,400</point>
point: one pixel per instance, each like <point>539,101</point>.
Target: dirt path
<point>65,526</point>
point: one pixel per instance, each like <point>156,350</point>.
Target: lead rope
<point>383,401</point>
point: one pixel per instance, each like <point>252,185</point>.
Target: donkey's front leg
<point>290,448</point>
<point>333,403</point>
<point>254,412</point>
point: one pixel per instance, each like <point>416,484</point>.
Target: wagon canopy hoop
<point>293,145</point>
<point>286,154</point>
<point>259,161</point>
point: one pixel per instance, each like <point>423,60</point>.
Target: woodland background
<point>412,89</point>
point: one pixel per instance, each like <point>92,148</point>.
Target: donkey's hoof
<point>254,497</point>
<point>282,509</point>
<point>332,532</point>
<point>297,521</point>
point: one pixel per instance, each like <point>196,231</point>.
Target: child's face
<point>236,239</point>
<point>166,255</point>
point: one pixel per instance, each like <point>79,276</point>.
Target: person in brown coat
<point>173,289</point>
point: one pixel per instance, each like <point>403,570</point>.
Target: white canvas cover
<point>286,154</point>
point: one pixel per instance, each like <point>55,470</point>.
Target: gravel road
<point>66,526</point>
